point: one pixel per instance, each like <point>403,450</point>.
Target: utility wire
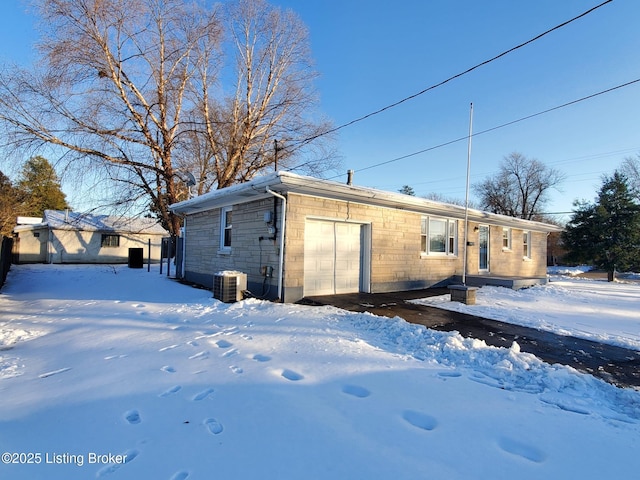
<point>522,119</point>
<point>458,75</point>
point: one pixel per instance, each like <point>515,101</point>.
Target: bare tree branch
<point>133,89</point>
<point>520,188</point>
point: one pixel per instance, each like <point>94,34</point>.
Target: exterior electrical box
<point>228,286</point>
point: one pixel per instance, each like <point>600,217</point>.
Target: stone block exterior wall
<point>396,259</point>
<point>252,246</point>
<point>396,263</point>
<point>509,262</point>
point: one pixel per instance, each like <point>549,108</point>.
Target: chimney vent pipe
<point>349,177</point>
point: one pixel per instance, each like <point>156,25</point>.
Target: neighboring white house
<point>72,237</point>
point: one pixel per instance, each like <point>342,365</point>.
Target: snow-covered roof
<point>29,220</point>
<point>67,220</point>
<point>285,182</point>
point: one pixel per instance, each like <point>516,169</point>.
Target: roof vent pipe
<point>349,177</point>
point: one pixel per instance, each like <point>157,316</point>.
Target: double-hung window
<point>439,236</point>
<point>506,238</point>
<point>225,228</point>
<point>526,244</point>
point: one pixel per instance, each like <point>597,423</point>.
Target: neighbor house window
<point>225,228</point>
<point>526,244</point>
<point>439,236</point>
<point>506,239</point>
<point>109,240</point>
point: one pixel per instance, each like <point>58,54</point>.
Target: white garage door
<point>331,257</point>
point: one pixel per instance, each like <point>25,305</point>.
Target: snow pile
<point>572,271</point>
<point>136,376</point>
<point>9,335</point>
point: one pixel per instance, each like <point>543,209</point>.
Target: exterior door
<point>483,244</point>
<point>332,257</point>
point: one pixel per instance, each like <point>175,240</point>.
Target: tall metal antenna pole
<point>466,200</point>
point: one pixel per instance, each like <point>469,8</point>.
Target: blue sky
<point>374,53</point>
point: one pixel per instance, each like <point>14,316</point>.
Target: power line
<point>558,107</point>
<point>458,75</point>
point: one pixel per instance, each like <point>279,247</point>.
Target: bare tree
<point>133,89</point>
<point>520,188</point>
<point>112,89</point>
<point>631,169</point>
<point>438,197</point>
<point>263,122</point>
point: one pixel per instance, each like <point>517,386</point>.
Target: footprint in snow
<point>223,344</point>
<point>419,420</point>
<point>213,426</point>
<point>168,369</point>
<point>202,395</point>
<point>229,353</point>
<point>291,375</point>
<point>520,449</point>
<point>356,391</point>
<point>133,417</point>
<point>171,391</point>
<point>54,372</point>
<point>201,355</point>
<point>180,476</point>
<point>236,369</point>
<point>112,357</point>
<point>129,456</point>
<point>170,347</point>
<point>261,358</point>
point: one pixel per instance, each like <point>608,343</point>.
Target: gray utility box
<point>229,285</point>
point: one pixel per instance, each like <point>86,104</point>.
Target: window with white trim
<point>439,236</point>
<point>526,244</point>
<point>225,228</point>
<point>109,240</point>
<point>506,238</point>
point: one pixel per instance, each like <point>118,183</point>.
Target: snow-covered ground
<point>117,373</point>
<point>591,309</point>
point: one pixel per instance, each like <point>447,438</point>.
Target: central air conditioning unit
<point>228,286</point>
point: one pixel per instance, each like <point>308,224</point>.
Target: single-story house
<point>296,236</point>
<point>63,236</point>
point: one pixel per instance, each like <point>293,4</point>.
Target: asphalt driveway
<point>616,365</point>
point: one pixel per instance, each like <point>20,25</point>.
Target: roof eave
<point>285,182</point>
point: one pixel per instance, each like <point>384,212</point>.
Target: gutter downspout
<point>183,235</point>
<point>183,265</point>
<point>49,244</point>
<point>282,225</point>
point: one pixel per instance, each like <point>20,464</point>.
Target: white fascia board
<point>284,182</point>
<point>239,193</point>
<point>327,189</point>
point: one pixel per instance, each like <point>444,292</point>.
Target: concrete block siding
<point>396,263</point>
